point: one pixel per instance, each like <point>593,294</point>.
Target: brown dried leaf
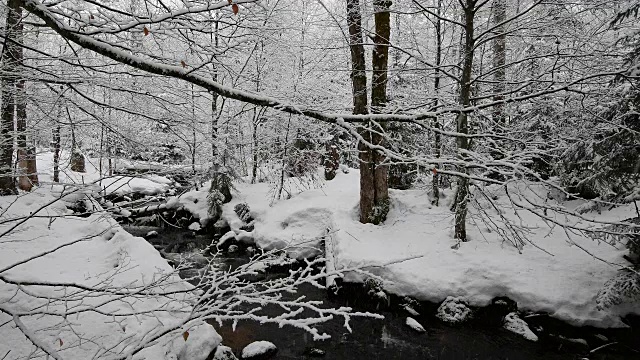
<point>235,8</point>
<point>185,335</point>
<point>184,64</point>
<point>145,30</point>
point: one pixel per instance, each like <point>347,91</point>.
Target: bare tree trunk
<point>193,136</point>
<point>462,124</point>
<point>254,136</point>
<point>26,169</point>
<point>9,74</point>
<point>56,153</point>
<point>77,158</point>
<point>359,91</point>
<point>436,90</point>
<point>380,61</point>
<point>499,59</point>
<point>214,103</point>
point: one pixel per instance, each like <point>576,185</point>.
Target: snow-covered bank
<point>84,288</point>
<point>148,184</point>
<point>562,280</point>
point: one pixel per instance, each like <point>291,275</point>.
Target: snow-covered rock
<point>314,352</point>
<point>245,237</point>
<point>454,310</point>
<point>259,350</point>
<point>199,344</point>
<point>410,310</point>
<point>415,325</point>
<point>516,325</point>
<point>229,235</point>
<point>224,353</point>
<point>195,226</point>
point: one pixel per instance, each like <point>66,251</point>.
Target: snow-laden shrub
<point>623,288</point>
<point>605,164</point>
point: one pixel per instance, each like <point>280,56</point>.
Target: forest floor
<point>556,271</point>
<point>60,251</point>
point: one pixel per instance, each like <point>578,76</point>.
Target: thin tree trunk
<point>214,104</point>
<point>499,59</point>
<point>462,123</point>
<point>9,73</point>
<point>436,121</point>
<point>254,136</point>
<point>27,170</point>
<point>193,135</point>
<point>56,153</point>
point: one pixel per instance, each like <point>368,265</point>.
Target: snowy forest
<point>297,179</point>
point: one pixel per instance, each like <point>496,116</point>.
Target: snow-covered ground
<point>413,250</point>
<point>83,288</point>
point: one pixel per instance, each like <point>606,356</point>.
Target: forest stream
<point>391,338</point>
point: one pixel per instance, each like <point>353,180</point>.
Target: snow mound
<point>454,310</point>
<point>258,348</point>
<point>412,323</point>
<point>300,231</point>
<point>516,325</point>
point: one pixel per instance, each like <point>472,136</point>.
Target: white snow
<point>415,325</point>
<point>415,243</point>
<point>103,256</point>
<point>516,325</point>
<point>194,226</point>
<point>257,348</point>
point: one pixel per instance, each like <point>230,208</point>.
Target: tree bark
<point>27,168</point>
<point>462,123</point>
<point>359,92</point>
<point>380,61</point>
<point>9,78</point>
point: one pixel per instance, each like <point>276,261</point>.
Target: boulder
<point>259,350</point>
<point>412,323</point>
<point>454,310</point>
<point>516,325</point>
<point>314,352</point>
<point>224,353</point>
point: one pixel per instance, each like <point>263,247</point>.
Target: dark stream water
<point>391,338</point>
